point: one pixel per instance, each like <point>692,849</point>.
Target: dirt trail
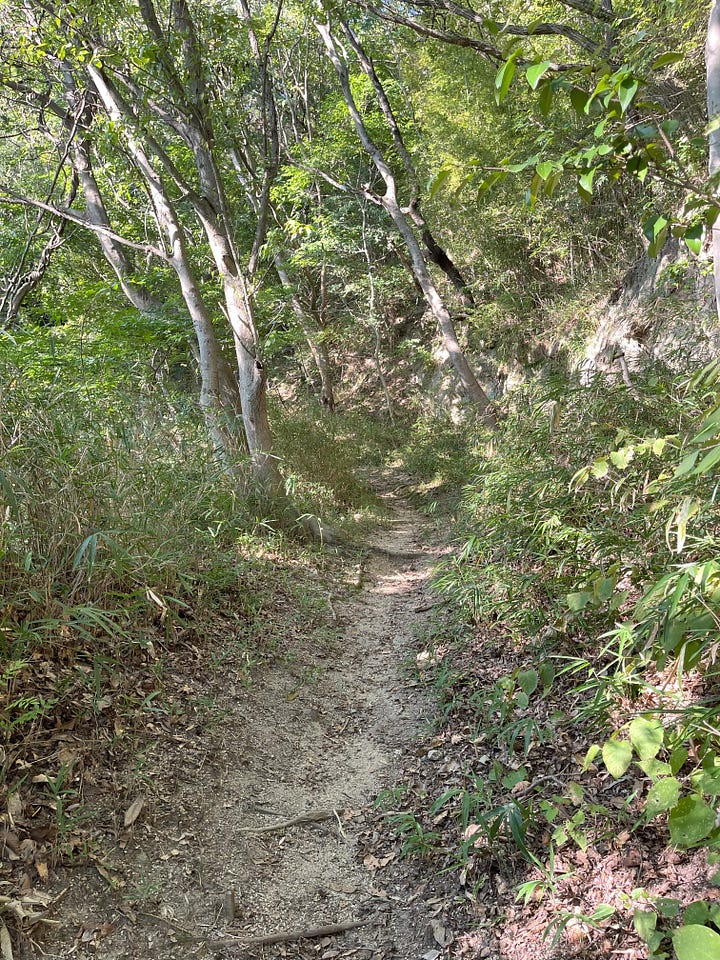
<point>320,736</point>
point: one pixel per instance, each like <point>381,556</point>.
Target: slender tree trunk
<point>211,362</point>
<point>712,62</point>
<point>389,202</point>
<point>317,346</point>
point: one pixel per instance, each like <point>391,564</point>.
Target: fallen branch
<point>316,816</point>
<point>313,933</point>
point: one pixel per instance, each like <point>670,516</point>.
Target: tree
<point>389,201</point>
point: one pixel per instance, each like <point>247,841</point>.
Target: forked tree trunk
<point>211,362</point>
<point>712,62</point>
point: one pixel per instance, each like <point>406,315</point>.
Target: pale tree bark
<point>434,251</point>
<point>712,62</point>
<point>389,202</point>
<point>209,352</point>
<point>187,115</point>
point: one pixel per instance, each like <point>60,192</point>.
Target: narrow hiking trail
<point>254,831</point>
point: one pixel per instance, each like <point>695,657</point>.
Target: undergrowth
<point>129,564</point>
<point>576,660</point>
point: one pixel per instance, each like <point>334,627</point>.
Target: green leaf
<point>696,943</point>
<point>655,768</point>
<point>586,180</point>
<point>690,822</point>
<point>647,737</point>
<point>528,681</point>
<point>663,796</point>
<point>645,922</point>
<point>708,461</point>
<point>578,601</point>
<point>546,98</point>
<point>535,72</point>
<point>544,169</point>
<point>694,238</point>
<point>438,180</point>
<point>504,78</point>
<point>696,912</point>
<point>579,99</point>
<point>547,673</point>
<point>678,758</point>
<point>617,755</point>
<point>622,457</point>
<point>656,230</point>
<point>667,906</point>
<point>626,92</point>
<point>666,59</point>
<point>593,751</point>
<point>686,464</point>
<point>600,468</point>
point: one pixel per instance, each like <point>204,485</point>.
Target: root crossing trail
<point>257,841</point>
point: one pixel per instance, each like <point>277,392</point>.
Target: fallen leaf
<point>14,806</point>
<point>5,943</point>
<point>443,936</point>
<point>134,811</point>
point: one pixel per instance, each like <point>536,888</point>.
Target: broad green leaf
<point>647,737</point>
<point>528,681</point>
<point>663,796</point>
<point>622,457</point>
<point>678,758</point>
<point>694,238</point>
<point>617,755</point>
<point>547,673</point>
<point>666,59</point>
<point>696,912</point>
<point>579,99</point>
<point>655,768</point>
<point>644,922</point>
<point>544,169</point>
<point>438,180</point>
<point>586,180</point>
<point>686,464</point>
<point>600,468</point>
<point>656,230</point>
<point>535,72</point>
<point>658,446</point>
<point>626,92</point>
<point>593,751</point>
<point>667,906</point>
<point>578,601</point>
<point>690,822</point>
<point>504,78</point>
<point>696,943</point>
<point>546,98</point>
<point>708,461</point>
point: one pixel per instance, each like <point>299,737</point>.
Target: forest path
<point>313,740</point>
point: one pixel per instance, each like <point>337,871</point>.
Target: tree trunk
<point>712,62</point>
<point>213,368</point>
<point>422,274</point>
<point>317,346</point>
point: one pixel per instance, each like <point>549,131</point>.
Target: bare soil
<point>257,824</point>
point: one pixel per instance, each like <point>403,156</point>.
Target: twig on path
<point>314,816</point>
<point>313,933</point>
